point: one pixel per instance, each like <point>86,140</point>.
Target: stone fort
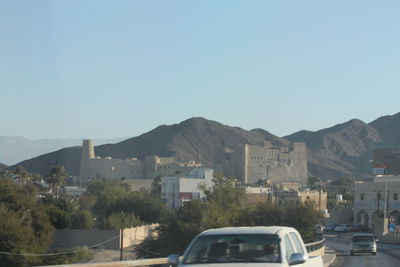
<point>93,167</point>
<point>250,164</point>
<point>255,163</point>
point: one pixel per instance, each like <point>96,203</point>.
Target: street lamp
<point>385,173</point>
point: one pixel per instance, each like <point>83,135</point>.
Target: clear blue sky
<point>120,68</point>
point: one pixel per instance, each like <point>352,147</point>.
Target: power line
<point>58,253</point>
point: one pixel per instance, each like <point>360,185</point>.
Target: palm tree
<point>22,176</point>
<point>56,178</point>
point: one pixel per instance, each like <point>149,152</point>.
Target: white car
<point>361,243</point>
<point>341,228</point>
<point>247,246</point>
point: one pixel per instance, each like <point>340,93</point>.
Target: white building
<point>369,200</point>
<point>175,190</point>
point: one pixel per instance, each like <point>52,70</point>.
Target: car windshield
<point>362,238</point>
<point>234,248</point>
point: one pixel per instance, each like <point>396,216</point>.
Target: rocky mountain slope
<point>342,150</point>
<point>339,151</point>
<point>193,139</point>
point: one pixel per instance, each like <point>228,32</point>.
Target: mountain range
<point>342,150</point>
<point>14,149</point>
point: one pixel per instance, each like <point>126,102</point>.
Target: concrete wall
<point>105,239</point>
<point>136,235</point>
<point>68,238</point>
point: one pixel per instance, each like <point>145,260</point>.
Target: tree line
<point>34,210</point>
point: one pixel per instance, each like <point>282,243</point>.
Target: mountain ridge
<point>342,150</point>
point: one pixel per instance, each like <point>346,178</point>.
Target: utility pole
<point>122,244</point>
<point>387,204</point>
<point>319,205</point>
<point>379,198</point>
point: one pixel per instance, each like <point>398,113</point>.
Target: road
<point>388,255</point>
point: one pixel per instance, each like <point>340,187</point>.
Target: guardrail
<point>314,249</point>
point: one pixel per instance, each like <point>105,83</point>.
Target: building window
<point>362,196</point>
<point>395,196</point>
<point>280,202</point>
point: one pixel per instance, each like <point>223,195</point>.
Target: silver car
<point>361,243</point>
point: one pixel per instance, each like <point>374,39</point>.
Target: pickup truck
<point>249,246</point>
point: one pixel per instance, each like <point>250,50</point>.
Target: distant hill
<point>339,151</point>
<point>342,150</point>
<point>3,166</point>
<point>14,149</point>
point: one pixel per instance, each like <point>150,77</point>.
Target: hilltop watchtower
<point>86,155</point>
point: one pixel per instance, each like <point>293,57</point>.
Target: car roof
<point>248,230</point>
<point>362,234</point>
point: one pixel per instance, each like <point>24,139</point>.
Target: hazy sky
<point>120,68</point>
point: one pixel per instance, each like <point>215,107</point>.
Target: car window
<point>231,248</point>
<point>297,243</point>
<point>289,250</point>
<point>362,239</point>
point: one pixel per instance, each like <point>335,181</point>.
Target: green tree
<point>24,225</point>
<point>83,219</point>
<point>56,178</point>
<point>106,194</point>
<point>59,218</point>
<point>225,201</point>
<point>61,210</point>
<point>156,186</point>
<point>21,176</point>
<point>121,220</point>
<point>175,231</point>
<point>303,218</point>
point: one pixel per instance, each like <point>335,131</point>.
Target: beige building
<point>289,196</point>
<point>369,200</point>
<point>93,167</point>
<point>255,163</point>
<point>316,197</point>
